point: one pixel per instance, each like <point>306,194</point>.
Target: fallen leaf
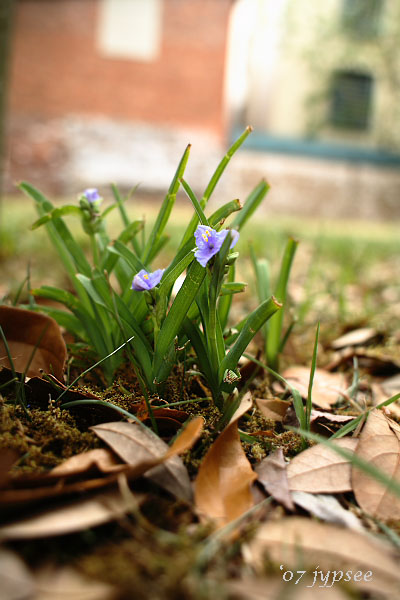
<point>272,408</point>
<point>325,421</point>
<point>17,582</point>
<point>102,459</point>
<point>274,588</point>
<point>320,469</point>
<point>328,388</point>
<point>328,546</point>
<point>372,360</point>
<point>70,517</point>
<point>144,451</point>
<point>379,445</point>
<point>391,385</point>
<point>87,474</point>
<point>31,489</point>
<point>381,393</point>
<point>272,475</point>
<point>357,337</point>
<point>24,330</point>
<point>223,484</point>
<point>330,418</point>
<point>55,583</point>
<point>327,508</point>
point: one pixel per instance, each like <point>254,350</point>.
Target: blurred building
<point>113,90</point>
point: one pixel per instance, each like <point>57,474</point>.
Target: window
<point>361,18</point>
<point>130,29</point>
<point>351,100</point>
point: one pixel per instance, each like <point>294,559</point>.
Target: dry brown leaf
<point>327,389</point>
<point>328,546</point>
<point>16,580</point>
<point>373,360</point>
<point>100,458</point>
<point>70,517</point>
<point>323,422</point>
<point>145,452</point>
<point>274,588</point>
<point>272,408</point>
<point>24,329</point>
<point>380,446</point>
<point>84,473</point>
<point>380,393</point>
<point>55,583</point>
<point>26,490</point>
<point>391,385</point>
<point>357,337</point>
<point>272,475</point>
<point>223,484</point>
<point>327,508</point>
<point>321,470</point>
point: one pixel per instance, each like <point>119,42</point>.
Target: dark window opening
<point>351,100</point>
<point>361,18</point>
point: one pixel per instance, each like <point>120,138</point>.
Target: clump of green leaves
<point>117,297</point>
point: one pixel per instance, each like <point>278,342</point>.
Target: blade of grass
<point>297,399</point>
<point>349,427</point>
<point>311,380</point>
<point>275,325</point>
<point>99,362</point>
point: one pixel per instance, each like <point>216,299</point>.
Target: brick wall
<point>57,70</point>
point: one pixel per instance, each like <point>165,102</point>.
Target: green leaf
<point>172,273</point>
<point>177,313</point>
<point>251,204</point>
<point>197,340</point>
<point>192,197</point>
<point>232,287</point>
<point>70,252</point>
<point>252,324</point>
<point>215,340</point>
<point>311,381</point>
<point>53,293</point>
<point>166,207</point>
<point>223,164</point>
<point>158,246</point>
<point>224,304</point>
<point>68,209</point>
<point>133,261</point>
<point>218,217</point>
<point>188,235</point>
<point>275,325</point>
<point>92,292</point>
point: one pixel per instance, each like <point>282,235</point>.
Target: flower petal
<point>92,195</point>
<point>146,281</point>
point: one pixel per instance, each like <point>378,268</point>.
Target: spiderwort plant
<point>202,325</point>
<point>140,307</point>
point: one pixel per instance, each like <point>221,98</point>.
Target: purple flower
<point>92,195</point>
<point>209,242</point>
<point>146,281</point>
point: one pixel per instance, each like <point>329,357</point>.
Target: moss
<point>42,439</point>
